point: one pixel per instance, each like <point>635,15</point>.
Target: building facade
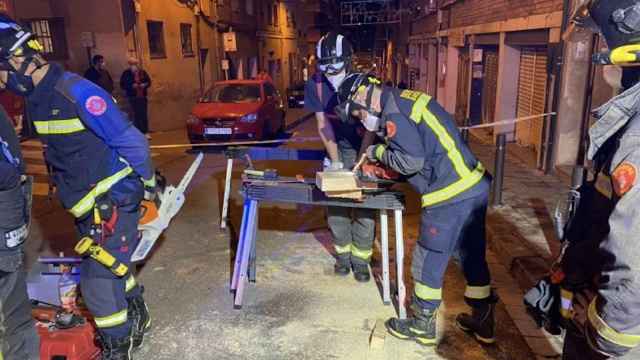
<point>180,43</point>
<point>493,60</point>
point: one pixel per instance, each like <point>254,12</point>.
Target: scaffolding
<point>369,12</point>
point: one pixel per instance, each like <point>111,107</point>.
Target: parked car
<point>237,110</point>
<point>295,95</point>
<point>14,105</point>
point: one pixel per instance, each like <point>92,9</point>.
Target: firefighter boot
<point>138,312</point>
<point>115,349</point>
<point>343,264</point>
<point>361,272</point>
<point>421,327</point>
<point>481,322</point>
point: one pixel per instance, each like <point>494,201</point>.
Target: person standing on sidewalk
<point>606,310</point>
<point>136,82</point>
<point>101,163</point>
<point>353,231</point>
<point>423,143</point>
<point>99,75</point>
<point>18,337</point>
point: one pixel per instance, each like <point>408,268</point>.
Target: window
<point>249,5</point>
<point>51,35</point>
<point>269,14</point>
<point>235,5</point>
<point>155,30</point>
<point>186,40</point>
<point>233,94</point>
<point>275,15</point>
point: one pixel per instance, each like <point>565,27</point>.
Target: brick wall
<point>471,12</point>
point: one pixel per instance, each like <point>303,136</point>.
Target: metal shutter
<point>489,86</point>
<point>532,95</point>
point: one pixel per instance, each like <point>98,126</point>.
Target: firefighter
<point>18,338</point>
<point>101,168</point>
<point>606,317</point>
<point>423,144</point>
<point>353,230</point>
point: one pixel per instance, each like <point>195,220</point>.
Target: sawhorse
<point>244,269</point>
<point>257,154</point>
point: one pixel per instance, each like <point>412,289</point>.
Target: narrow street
<point>297,309</point>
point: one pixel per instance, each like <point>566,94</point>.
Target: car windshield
<point>233,94</point>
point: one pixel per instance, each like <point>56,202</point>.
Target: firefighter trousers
<point>104,292</point>
<point>18,337</point>
<point>353,230</point>
<point>445,229</point>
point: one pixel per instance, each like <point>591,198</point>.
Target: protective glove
<point>336,166</point>
<point>371,153</point>
<point>150,188</point>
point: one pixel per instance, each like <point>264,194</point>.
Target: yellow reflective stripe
<point>477,292</point>
<point>151,183</point>
<point>419,106</point>
<point>342,249</point>
<point>59,127</point>
<point>116,319</point>
<point>447,142</point>
<point>130,283</point>
<point>380,149</point>
<point>607,332</point>
<point>427,293</point>
<point>88,201</point>
<point>362,254</point>
<point>454,189</point>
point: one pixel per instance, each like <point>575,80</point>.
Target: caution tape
<point>293,139</point>
<point>506,122</point>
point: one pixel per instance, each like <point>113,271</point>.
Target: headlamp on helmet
<point>356,93</point>
<point>333,53</point>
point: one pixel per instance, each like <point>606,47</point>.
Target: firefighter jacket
<point>613,326</point>
<point>424,144</point>
<point>90,144</point>
<point>15,198</point>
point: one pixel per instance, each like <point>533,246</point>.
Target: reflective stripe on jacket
<point>424,144</point>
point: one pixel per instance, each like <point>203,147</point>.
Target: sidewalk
<point>521,232</point>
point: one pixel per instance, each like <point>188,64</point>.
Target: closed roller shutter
<point>532,96</point>
<point>489,86</point>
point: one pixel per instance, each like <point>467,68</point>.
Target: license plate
<point>301,102</point>
<point>218,131</point>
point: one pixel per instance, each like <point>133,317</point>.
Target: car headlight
<point>192,120</point>
<point>249,118</point>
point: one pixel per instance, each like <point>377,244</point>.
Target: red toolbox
<point>75,343</point>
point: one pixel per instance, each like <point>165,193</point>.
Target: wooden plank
<point>378,335</point>
<point>350,194</point>
<point>336,181</point>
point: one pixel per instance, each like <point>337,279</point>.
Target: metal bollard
<point>498,180</point>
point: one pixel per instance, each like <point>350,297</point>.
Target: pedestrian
<point>605,312</point>
<point>353,231</point>
<point>102,170</point>
<point>423,143</point>
<point>99,75</point>
<point>136,82</point>
<point>18,337</point>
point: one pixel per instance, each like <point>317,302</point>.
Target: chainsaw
<point>156,215</point>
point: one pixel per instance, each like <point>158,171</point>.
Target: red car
<point>14,105</point>
<point>237,110</point>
